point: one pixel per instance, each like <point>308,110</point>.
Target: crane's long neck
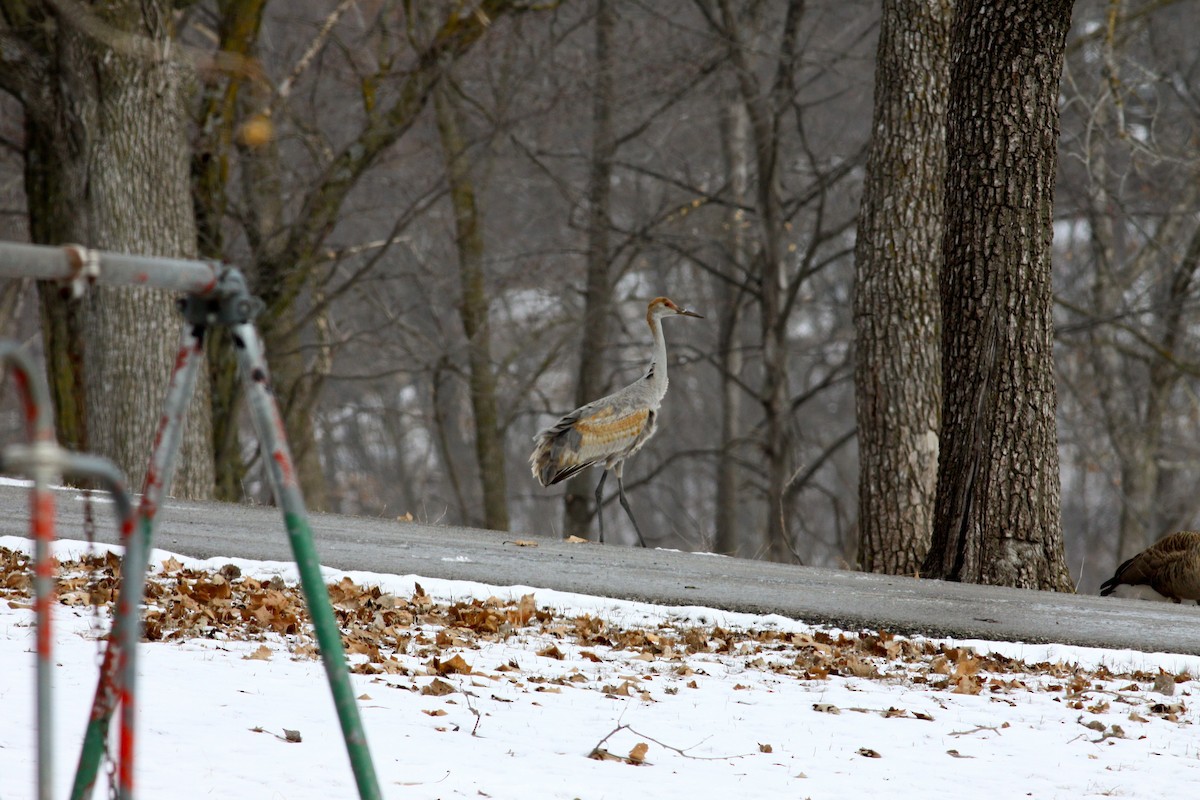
<point>657,374</point>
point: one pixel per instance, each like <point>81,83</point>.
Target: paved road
<point>849,600</point>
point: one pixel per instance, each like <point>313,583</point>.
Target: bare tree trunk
<point>729,354</point>
<point>764,109</point>
<point>287,249</point>
<point>997,513</point>
<point>897,309</point>
<point>222,106</point>
<point>49,223</point>
<point>473,308</point>
<point>598,305</point>
<point>278,276</point>
<point>114,126</point>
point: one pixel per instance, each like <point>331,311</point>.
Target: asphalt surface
<point>850,600</point>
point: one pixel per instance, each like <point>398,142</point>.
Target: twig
<point>597,750</point>
<point>977,729</point>
<point>475,711</point>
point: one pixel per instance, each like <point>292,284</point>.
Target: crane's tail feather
<point>555,455</point>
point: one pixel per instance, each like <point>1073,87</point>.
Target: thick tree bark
<point>997,512</point>
<point>112,174</point>
<point>473,308</point>
<point>598,304</point>
<point>897,308</point>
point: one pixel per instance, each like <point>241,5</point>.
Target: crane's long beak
<point>687,312</point>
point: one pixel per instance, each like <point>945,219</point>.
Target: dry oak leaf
<point>765,748</point>
<point>868,752</point>
<point>526,608</point>
<point>551,652</point>
<point>437,712</point>
<point>638,754</point>
<point>263,653</point>
<point>576,540</point>
<point>522,542</point>
<point>437,688</point>
<point>455,665</point>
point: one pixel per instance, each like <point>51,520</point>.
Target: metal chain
<point>110,770</point>
<point>89,535</point>
<point>95,576</point>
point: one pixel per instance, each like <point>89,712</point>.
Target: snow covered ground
<point>480,691</point>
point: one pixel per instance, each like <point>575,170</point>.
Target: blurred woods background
<point>457,213</point>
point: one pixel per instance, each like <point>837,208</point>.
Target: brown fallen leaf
<point>957,754</point>
<point>551,652</point>
<point>638,754</point>
<point>765,748</point>
<point>522,542</point>
<point>868,752</point>
<point>451,666</point>
<point>576,540</point>
<point>290,735</point>
<point>263,653</point>
<point>437,688</point>
<point>437,712</point>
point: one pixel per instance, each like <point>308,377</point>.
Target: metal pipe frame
<point>43,459</point>
<point>215,294</point>
<point>268,424</point>
<point>118,664</point>
<point>79,267</point>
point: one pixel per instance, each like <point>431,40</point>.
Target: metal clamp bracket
<point>85,269</point>
<point>229,303</point>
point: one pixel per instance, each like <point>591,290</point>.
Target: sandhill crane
<point>1170,566</point>
<point>609,430</point>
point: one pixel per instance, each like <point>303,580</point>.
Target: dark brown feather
<point>1170,566</point>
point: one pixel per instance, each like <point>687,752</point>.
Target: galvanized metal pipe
<point>73,263</point>
<point>127,619</point>
<point>268,423</point>
<point>45,460</point>
<point>225,288</point>
<point>40,432</point>
<point>118,666</point>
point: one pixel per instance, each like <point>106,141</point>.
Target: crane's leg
<point>599,499</point>
<point>625,505</point>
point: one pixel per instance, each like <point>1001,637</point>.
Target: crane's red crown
<point>661,306</point>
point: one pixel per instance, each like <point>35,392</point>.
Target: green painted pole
<point>268,424</point>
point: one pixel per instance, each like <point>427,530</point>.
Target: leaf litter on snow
<point>508,648</point>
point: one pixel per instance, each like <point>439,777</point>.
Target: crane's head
<point>663,307</point>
